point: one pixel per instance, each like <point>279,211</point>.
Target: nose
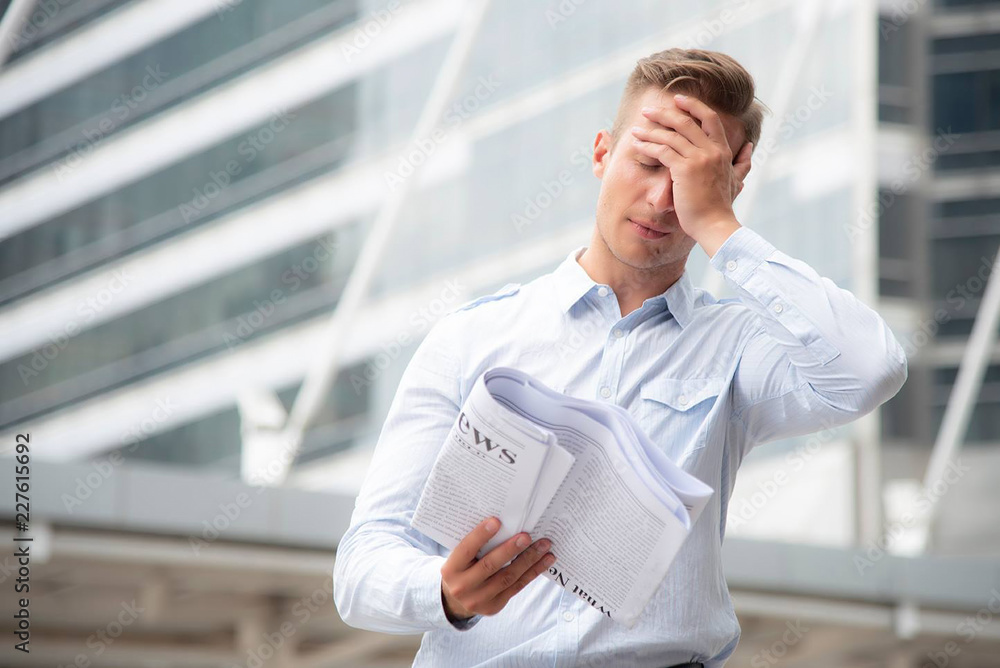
<point>660,194</point>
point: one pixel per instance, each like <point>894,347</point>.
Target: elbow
<point>901,373</point>
<point>885,370</point>
<point>887,379</point>
<point>896,369</point>
<point>872,382</point>
<point>344,588</point>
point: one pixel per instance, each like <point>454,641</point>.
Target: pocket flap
<point>681,393</point>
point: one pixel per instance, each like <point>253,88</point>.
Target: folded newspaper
<point>580,473</point>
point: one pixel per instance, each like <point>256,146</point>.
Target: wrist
<point>452,610</point>
<point>710,236</point>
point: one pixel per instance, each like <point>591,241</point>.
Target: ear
<point>741,164</point>
<point>602,153</point>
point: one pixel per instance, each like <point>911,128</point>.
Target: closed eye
<point>646,166</point>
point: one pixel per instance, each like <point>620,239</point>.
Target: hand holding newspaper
<point>580,473</point>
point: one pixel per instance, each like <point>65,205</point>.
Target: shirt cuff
<point>740,255</point>
<point>427,580</point>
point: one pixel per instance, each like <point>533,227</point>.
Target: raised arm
<point>820,357</point>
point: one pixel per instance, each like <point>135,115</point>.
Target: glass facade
<point>946,269</point>
<point>290,148</point>
<point>215,50</point>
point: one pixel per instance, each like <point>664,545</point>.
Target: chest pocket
<point>672,412</point>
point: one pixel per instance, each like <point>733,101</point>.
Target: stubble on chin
<point>645,256</point>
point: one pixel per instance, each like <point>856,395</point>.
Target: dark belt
<point>688,665</point>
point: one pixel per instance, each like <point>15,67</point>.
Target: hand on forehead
<point>734,130</point>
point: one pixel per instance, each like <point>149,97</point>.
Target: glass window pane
<point>954,101</point>
<point>311,140</point>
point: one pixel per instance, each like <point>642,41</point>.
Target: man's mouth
<point>646,232</point>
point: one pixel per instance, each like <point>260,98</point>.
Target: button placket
<point>614,349</point>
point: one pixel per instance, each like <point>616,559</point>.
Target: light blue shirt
<point>706,379</point>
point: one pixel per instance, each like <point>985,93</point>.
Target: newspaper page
<point>490,465</point>
<point>577,472</point>
<point>617,474</point>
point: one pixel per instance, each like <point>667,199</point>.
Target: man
<point>620,321</point>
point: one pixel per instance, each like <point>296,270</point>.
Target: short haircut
<point>713,77</point>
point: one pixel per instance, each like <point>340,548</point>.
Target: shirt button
<point>619,333</point>
<point>682,400</point>
<point>778,308</point>
<point>605,392</point>
<point>602,291</point>
<point>731,265</point>
<point>569,616</point>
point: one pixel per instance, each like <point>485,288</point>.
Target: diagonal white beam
<point>964,393</point>
<point>13,20</point>
<point>92,48</point>
<point>225,111</point>
<point>317,382</point>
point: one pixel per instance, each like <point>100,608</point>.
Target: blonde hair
<point>713,77</point>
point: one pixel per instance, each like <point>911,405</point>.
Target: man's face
<point>638,190</point>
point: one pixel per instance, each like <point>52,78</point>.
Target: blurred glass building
<point>186,189</point>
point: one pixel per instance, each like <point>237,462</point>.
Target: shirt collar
<point>572,282</point>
